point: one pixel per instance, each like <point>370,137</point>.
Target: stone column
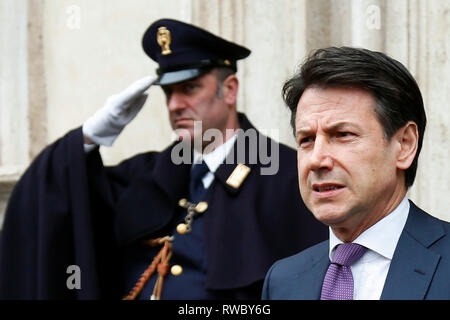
<point>429,60</point>
<point>23,105</point>
<point>367,21</point>
<point>14,139</point>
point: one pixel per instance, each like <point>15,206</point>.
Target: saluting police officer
<point>195,221</point>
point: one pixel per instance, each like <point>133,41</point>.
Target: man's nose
<point>321,155</point>
<point>175,102</point>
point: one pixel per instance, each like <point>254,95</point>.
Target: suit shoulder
<point>427,229</point>
<point>305,257</point>
<point>422,218</point>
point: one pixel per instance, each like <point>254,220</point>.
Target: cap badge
<point>164,39</point>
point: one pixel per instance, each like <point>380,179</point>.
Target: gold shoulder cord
<point>160,262</point>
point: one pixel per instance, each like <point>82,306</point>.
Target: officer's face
<point>348,171</point>
<point>197,100</point>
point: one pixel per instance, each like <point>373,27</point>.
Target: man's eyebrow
<point>303,131</point>
<point>339,125</point>
<point>306,130</point>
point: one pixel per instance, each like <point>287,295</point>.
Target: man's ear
<point>230,88</point>
<point>408,138</point>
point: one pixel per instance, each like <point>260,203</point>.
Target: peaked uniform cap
<point>184,51</point>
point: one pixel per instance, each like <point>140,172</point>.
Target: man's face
<point>347,169</point>
<point>196,100</point>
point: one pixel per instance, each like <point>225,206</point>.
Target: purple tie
<point>338,282</point>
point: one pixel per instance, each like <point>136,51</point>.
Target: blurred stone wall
<point>61,59</point>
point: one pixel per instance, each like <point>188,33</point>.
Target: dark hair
<point>397,95</point>
<point>221,74</point>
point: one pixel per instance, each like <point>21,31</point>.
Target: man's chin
<point>329,214</point>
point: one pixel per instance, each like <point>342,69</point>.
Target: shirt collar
<point>383,236</point>
<point>215,158</point>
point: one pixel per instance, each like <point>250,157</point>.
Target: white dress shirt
<point>370,271</point>
<point>214,159</point>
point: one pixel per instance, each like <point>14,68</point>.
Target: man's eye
<point>304,141</point>
<point>190,87</point>
<point>344,134</point>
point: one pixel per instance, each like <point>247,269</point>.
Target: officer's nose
<point>175,102</point>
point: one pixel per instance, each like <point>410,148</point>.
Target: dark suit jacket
<point>68,209</point>
<point>420,267</point>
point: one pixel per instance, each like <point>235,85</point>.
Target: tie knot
<point>198,171</point>
<point>348,253</point>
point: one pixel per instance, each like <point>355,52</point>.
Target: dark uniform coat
<point>68,209</point>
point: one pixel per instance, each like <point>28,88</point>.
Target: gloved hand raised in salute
<point>105,125</point>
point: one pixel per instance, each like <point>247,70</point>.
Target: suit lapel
<point>413,264</point>
<point>308,285</point>
<point>315,281</point>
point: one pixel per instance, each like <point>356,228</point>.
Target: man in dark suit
<point>203,219</point>
<point>359,122</point>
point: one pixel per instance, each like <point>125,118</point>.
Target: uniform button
<point>182,202</point>
<point>176,270</point>
<point>182,228</point>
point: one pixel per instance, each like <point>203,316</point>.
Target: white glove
<point>106,124</point>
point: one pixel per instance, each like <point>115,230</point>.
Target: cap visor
<point>179,76</point>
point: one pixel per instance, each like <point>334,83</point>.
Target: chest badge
<point>238,176</point>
